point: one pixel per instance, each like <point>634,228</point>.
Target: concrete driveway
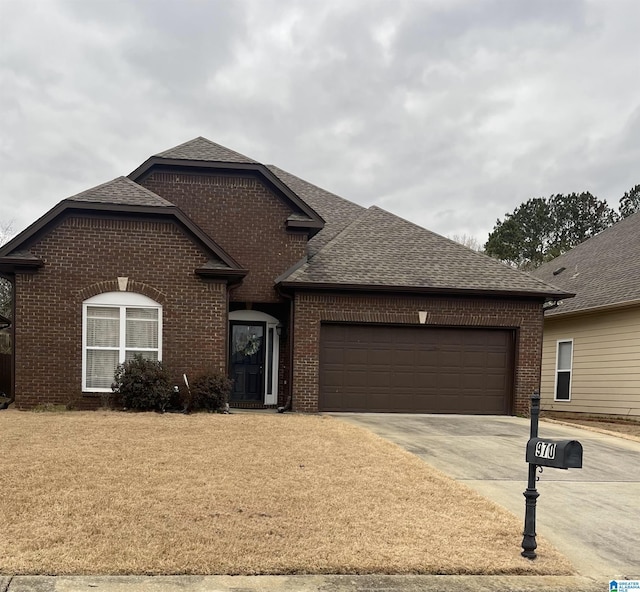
<point>591,514</point>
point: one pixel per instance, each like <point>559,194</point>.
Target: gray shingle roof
<point>602,271</point>
<point>381,249</point>
<point>121,191</point>
<point>202,149</point>
<point>337,212</point>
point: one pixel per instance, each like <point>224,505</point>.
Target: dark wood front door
<point>246,356</point>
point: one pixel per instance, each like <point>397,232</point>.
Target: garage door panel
<point>450,359</point>
<point>449,382</point>
<point>333,355</point>
<point>355,355</point>
<point>474,359</point>
<point>415,369</point>
<point>378,357</point>
<point>495,360</point>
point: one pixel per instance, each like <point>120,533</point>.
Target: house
<point>591,351</point>
<point>205,258</point>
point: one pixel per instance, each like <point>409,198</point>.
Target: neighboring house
<point>591,352</point>
<point>205,258</point>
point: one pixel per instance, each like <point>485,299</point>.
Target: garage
<point>415,369</point>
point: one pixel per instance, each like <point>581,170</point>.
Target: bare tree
<point>468,240</point>
<point>6,292</point>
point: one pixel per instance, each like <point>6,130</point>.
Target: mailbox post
<point>559,454</point>
<point>531,494</point>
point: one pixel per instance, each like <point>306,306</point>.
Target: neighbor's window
<point>116,326</point>
<point>563,370</point>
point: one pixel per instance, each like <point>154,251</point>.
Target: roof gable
<point>118,197</point>
<point>121,191</point>
<point>203,155</point>
<point>603,271</point>
<point>380,249</point>
<point>204,150</point>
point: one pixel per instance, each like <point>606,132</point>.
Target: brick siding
<point>525,317</point>
<point>84,257</point>
<point>245,218</point>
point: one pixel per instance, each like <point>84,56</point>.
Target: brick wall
<point>525,317</point>
<point>245,218</point>
<point>84,257</point>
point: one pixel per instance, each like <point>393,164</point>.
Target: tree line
<point>544,227</point>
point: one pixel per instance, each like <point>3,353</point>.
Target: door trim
<point>272,354</point>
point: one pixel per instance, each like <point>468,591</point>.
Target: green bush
<point>143,384</point>
<point>209,391</point>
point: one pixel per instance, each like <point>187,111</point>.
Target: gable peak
<point>203,149</point>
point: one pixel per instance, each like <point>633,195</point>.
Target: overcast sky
<point>449,113</point>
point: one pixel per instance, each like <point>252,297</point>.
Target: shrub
<point>142,384</point>
<point>209,391</point>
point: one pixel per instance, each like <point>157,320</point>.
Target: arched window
<point>115,327</point>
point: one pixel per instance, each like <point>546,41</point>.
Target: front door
<point>246,357</point>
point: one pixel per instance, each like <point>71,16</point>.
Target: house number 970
<point>545,450</point>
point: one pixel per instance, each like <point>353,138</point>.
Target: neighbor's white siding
<point>606,362</point>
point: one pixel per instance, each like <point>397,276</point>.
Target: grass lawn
<point>119,493</point>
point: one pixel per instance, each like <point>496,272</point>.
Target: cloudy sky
<point>446,112</point>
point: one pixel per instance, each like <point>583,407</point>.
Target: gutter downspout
<point>288,406</point>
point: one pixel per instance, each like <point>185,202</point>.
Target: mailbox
<point>560,454</point>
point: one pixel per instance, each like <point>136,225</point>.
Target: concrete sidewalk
<point>303,584</point>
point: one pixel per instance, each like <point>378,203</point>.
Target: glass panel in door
<point>247,349</point>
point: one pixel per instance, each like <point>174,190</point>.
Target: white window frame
<point>121,301</point>
<point>569,370</point>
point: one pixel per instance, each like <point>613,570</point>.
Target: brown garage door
<point>415,369</point>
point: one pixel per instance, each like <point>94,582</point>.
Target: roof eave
<point>311,227</point>
<point>323,286</point>
<point>317,222</point>
<point>70,206</point>
<point>148,164</point>
<point>558,313</point>
<point>229,274</point>
<point>18,264</point>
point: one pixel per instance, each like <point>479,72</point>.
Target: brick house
<point>205,258</point>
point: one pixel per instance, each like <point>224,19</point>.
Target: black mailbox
<point>560,454</point>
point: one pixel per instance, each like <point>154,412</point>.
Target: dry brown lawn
<point>118,493</point>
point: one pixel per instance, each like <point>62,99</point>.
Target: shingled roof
<point>205,150</point>
<point>354,246</point>
<point>603,271</point>
<point>380,249</point>
<point>336,211</point>
<point>121,191</point>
